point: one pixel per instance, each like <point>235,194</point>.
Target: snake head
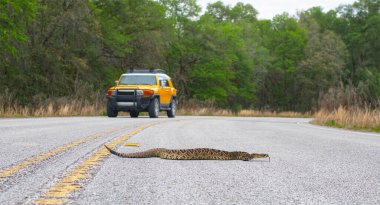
<point>256,155</point>
<point>246,156</point>
<point>261,155</point>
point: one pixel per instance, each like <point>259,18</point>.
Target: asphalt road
<point>62,160</point>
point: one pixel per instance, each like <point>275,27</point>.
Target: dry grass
<point>242,113</point>
<point>353,118</point>
<point>258,113</point>
<point>60,107</point>
<point>193,107</point>
<point>70,107</point>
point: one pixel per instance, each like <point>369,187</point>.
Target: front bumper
<point>129,100</point>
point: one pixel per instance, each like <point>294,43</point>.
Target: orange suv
<point>138,91</point>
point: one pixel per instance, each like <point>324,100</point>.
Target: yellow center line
<point>9,171</point>
<point>132,144</point>
<point>61,190</point>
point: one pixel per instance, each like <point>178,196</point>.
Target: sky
<point>269,8</point>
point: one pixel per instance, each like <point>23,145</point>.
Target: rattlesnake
<point>191,154</point>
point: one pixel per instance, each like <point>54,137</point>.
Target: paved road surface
<point>62,160</point>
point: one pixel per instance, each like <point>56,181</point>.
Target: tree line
<point>224,55</point>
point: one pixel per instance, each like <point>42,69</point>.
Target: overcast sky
<point>269,8</point>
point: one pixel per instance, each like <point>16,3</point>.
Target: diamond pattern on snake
<point>190,154</point>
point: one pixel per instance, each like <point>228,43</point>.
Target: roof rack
<point>146,71</point>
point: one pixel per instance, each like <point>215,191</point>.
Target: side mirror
<point>116,82</point>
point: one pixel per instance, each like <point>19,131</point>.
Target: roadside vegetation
<point>366,119</point>
<point>208,108</point>
<point>59,57</point>
<point>75,107</point>
<point>242,113</point>
<point>58,107</point>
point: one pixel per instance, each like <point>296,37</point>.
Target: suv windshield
<point>138,80</point>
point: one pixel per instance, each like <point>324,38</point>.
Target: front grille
<point>125,96</point>
<point>126,92</point>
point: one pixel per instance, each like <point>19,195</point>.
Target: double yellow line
<point>7,172</point>
<point>71,182</point>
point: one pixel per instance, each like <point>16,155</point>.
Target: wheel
<point>134,114</point>
<point>173,108</point>
<point>111,111</point>
<point>154,108</point>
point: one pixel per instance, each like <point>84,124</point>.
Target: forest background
<point>60,53</point>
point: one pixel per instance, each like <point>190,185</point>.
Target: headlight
<point>140,92</point>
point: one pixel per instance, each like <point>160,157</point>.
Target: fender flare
<point>174,97</point>
<point>155,96</point>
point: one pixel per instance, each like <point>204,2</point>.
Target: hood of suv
<point>140,87</point>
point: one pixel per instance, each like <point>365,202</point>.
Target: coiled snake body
<point>190,154</point>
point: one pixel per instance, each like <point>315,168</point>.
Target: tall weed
<point>364,118</point>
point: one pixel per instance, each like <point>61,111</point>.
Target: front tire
<point>134,114</point>
<point>173,109</point>
<point>154,108</point>
<point>111,111</point>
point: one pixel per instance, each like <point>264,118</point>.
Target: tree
<point>325,58</point>
<point>15,16</point>
<point>240,12</point>
<point>213,74</point>
<point>286,41</point>
<point>180,52</point>
<point>77,48</point>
